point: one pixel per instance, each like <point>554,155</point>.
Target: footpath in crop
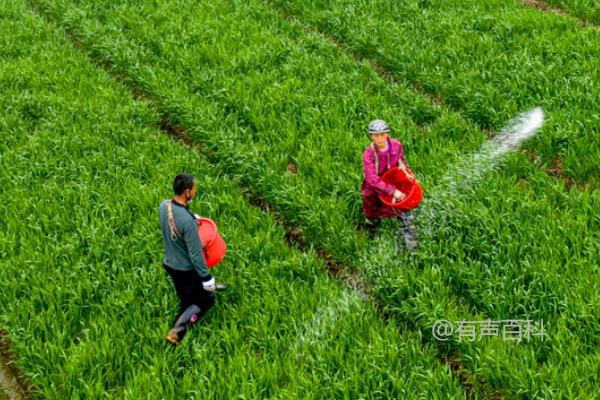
<point>11,382</point>
<point>91,305</point>
<point>234,85</point>
<point>587,12</point>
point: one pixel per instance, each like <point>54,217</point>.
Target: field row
<point>84,296</point>
<point>588,10</point>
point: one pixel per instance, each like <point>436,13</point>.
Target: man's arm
<point>194,248</point>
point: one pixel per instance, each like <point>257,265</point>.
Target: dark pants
<point>190,291</point>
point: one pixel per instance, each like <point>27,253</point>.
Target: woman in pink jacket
<point>382,154</point>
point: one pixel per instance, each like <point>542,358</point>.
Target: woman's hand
<point>398,196</point>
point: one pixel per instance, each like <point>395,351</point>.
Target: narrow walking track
<point>8,382</point>
<point>542,5</point>
<point>10,387</point>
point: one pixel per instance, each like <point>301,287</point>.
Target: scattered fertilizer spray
<point>318,331</point>
<point>441,202</point>
<point>472,170</point>
<point>462,180</point>
<point>432,218</point>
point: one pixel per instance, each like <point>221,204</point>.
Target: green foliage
<point>258,93</point>
<point>83,168</point>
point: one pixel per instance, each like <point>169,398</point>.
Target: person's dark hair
<point>183,182</point>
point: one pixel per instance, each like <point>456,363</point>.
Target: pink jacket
<point>373,183</point>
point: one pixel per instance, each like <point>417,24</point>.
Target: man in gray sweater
<point>184,260</point>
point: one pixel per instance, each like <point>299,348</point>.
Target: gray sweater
<point>180,254</point>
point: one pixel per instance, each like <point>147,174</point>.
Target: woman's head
<point>379,131</point>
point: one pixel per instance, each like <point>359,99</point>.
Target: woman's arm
<point>371,176</point>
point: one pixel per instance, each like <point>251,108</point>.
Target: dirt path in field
<point>10,385</point>
<point>474,386</point>
<point>542,5</point>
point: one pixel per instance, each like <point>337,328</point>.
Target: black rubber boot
<point>183,323</point>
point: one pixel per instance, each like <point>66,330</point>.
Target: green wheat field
<point>274,98</point>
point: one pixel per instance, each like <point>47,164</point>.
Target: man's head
<point>184,186</point>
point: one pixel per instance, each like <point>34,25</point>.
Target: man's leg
<point>408,230</point>
<point>186,284</point>
<point>182,287</point>
<point>182,324</point>
<point>202,298</point>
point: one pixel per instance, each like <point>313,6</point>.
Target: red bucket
<point>214,247</point>
<point>412,190</point>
